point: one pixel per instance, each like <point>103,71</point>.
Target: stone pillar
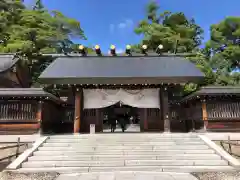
<point>39,115</point>
<point>165,108</point>
<point>77,114</point>
<point>204,114</point>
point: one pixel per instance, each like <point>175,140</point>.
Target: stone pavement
<point>128,176</point>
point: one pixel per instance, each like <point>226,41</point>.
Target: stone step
<point>124,144</point>
<point>126,157</point>
<point>68,170</point>
<point>119,135</point>
<point>122,137</point>
<point>110,148</point>
<point>126,138</point>
<point>122,152</point>
<point>117,163</point>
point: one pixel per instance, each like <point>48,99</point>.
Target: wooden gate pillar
<point>77,114</point>
<point>164,108</point>
<point>39,115</point>
<point>204,114</point>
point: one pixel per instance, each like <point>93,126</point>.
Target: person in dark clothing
<point>113,124</point>
<point>122,122</point>
<point>112,120</point>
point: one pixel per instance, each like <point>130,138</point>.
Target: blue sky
<point>107,22</point>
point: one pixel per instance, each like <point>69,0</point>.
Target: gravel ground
<point>18,176</point>
<point>218,176</point>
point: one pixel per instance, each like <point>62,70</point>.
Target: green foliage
<point>225,48</point>
<point>175,32</point>
<point>217,60</point>
<point>169,28</point>
<point>202,62</point>
<point>30,32</point>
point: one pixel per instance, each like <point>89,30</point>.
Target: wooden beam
<point>19,126</point>
<point>77,120</point>
<point>204,114</point>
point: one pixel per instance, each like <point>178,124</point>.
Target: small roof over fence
<point>28,93</point>
<point>214,91</point>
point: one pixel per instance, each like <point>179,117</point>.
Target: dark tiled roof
<point>6,62</point>
<point>214,91</point>
<point>27,92</point>
<point>219,90</point>
<point>120,70</point>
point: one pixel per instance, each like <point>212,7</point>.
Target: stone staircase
<point>125,152</point>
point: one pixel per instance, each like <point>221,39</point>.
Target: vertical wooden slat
<point>1,111</point>
<point>4,111</point>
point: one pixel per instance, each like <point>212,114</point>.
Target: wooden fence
<point>233,148</point>
<point>13,153</point>
<point>18,110</point>
<point>18,117</point>
<point>29,116</point>
<point>222,115</point>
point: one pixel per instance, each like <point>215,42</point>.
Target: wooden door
<point>92,116</point>
<point>150,120</point>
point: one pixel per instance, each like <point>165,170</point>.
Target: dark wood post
<point>165,108</point>
<point>39,114</point>
<point>145,122</point>
<point>191,114</point>
<point>77,119</point>
<point>204,114</point>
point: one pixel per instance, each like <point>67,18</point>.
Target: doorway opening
<point>120,114</point>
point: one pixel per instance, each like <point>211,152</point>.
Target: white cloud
<point>119,51</point>
<point>127,23</point>
<point>122,25</point>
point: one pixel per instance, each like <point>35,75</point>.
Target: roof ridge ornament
<point>98,50</point>
<point>128,50</point>
<point>144,49</point>
<point>113,50</point>
<point>82,50</point>
<point>159,49</point>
